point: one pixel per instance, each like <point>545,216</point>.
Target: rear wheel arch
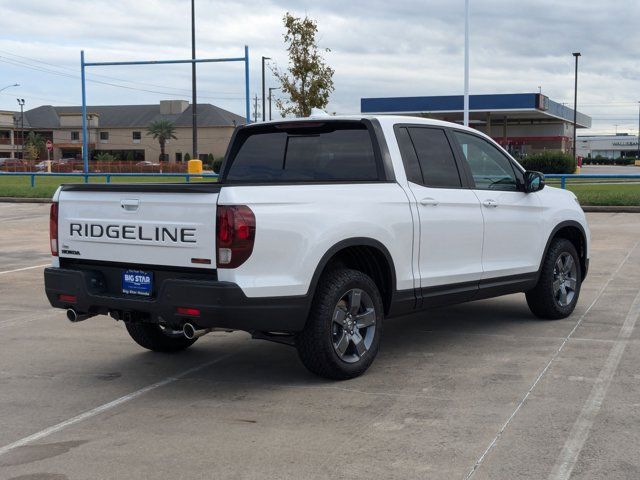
<point>366,255</point>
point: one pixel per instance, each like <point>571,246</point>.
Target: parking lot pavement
<point>481,390</point>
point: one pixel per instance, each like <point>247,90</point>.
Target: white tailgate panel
<point>138,228</point>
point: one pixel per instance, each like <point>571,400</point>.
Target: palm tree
<point>35,144</point>
<point>162,130</point>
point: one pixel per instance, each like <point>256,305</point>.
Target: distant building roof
<point>513,105</point>
<point>131,116</point>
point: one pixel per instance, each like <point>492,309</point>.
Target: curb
<point>611,208</point>
<point>24,200</point>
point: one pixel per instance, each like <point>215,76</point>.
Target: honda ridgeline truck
<point>318,230</point>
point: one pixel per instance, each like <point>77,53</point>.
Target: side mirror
<point>533,181</point>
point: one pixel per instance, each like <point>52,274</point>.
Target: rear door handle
<point>490,203</point>
<point>429,201</point>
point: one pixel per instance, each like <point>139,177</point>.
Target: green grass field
<point>610,195</point>
<point>18,186</point>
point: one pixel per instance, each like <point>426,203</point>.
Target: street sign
<point>49,145</point>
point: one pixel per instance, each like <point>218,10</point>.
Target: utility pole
<point>271,89</point>
<point>264,109</point>
<point>638,157</point>
<point>194,101</point>
<point>575,104</point>
<point>466,63</point>
<point>21,103</point>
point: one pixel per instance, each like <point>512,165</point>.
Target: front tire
<point>153,337</point>
<point>342,334</point>
<point>556,294</point>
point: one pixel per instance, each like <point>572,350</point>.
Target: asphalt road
<point>481,390</point>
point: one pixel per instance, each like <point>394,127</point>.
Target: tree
<point>162,130</point>
<point>308,80</point>
<point>187,157</point>
<point>34,145</point>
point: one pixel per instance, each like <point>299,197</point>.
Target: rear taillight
<point>53,229</point>
<point>235,235</point>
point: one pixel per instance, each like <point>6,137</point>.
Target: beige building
<point>122,130</point>
<point>8,146</point>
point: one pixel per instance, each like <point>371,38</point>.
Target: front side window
<point>136,135</point>
<point>75,135</point>
<point>104,136</point>
<point>299,152</point>
<point>490,168</point>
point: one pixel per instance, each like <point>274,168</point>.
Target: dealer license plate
<point>137,282</point>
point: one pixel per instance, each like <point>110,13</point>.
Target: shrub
<point>105,157</point>
<point>550,162</point>
<point>187,157</point>
<point>216,164</point>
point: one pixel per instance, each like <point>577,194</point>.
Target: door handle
<point>490,203</point>
<point>130,204</point>
<point>429,201</point>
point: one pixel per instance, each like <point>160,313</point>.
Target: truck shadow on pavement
<point>412,342</point>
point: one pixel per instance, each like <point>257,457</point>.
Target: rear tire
<point>152,337</point>
<point>342,334</point>
<point>556,294</point>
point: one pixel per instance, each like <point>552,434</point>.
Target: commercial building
<point>121,130</point>
<point>608,146</point>
<point>523,123</point>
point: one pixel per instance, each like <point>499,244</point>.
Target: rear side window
<point>332,151</point>
<point>435,157</point>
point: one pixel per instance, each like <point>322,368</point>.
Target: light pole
<point>9,86</point>
<point>264,112</point>
<point>466,63</point>
<point>575,104</point>
<point>271,89</point>
<point>21,103</point>
<point>638,157</point>
<point>194,100</point>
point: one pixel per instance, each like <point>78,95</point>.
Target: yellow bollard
<point>194,167</point>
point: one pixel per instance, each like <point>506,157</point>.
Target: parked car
<point>13,165</point>
<point>319,231</point>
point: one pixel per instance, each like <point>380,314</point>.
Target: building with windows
<point>523,123</point>
<point>608,146</point>
<point>121,130</point>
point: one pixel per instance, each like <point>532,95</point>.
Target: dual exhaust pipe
<point>189,330</point>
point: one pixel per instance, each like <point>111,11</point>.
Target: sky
<point>378,49</point>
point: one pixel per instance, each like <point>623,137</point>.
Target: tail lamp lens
<point>53,229</point>
<point>235,235</point>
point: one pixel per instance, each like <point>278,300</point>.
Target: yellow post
<point>194,167</point>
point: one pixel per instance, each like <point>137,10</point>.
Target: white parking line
<point>493,442</point>
<point>107,406</point>
<point>24,268</point>
<point>581,428</point>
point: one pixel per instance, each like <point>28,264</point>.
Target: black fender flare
<point>556,229</point>
<point>351,242</point>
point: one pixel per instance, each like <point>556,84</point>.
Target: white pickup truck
<point>318,231</point>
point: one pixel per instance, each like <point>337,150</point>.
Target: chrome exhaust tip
<point>75,317</point>
<point>191,332</point>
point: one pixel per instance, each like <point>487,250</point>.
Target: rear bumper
<point>221,304</point>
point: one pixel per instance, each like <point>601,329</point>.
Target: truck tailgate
<point>139,225</point>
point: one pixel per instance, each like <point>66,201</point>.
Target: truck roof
<point>383,119</point>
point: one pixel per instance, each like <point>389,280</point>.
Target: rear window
<point>298,152</point>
